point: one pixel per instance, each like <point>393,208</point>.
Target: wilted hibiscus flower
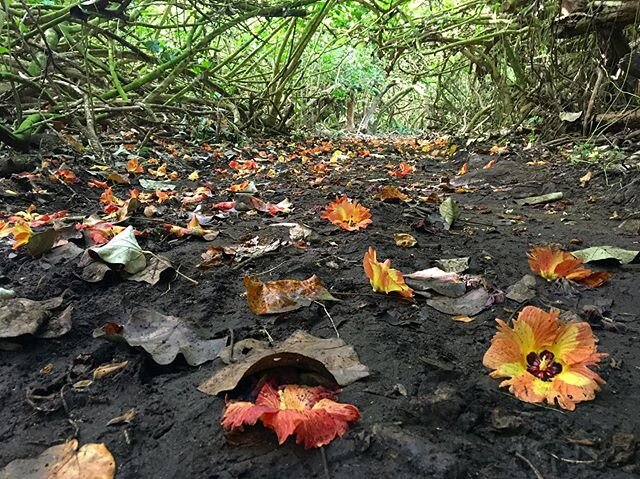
<point>347,214</point>
<point>309,413</point>
<point>383,278</point>
<point>552,263</point>
<point>545,359</point>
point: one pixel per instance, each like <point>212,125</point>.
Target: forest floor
<point>429,408</point>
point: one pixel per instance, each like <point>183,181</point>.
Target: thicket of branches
<point>233,66</point>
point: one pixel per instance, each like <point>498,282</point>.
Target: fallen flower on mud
<point>309,413</point>
<point>134,166</point>
<point>21,234</point>
<point>552,263</point>
<point>347,214</point>
<point>402,170</point>
<point>545,359</point>
<point>193,229</point>
<point>382,277</point>
<point>464,169</point>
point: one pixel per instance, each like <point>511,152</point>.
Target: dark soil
<point>429,408</point>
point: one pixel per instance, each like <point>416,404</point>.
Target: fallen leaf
<point>125,418</point>
<point>284,295</point>
<point>536,200</point>
<point>449,211</point>
<point>523,290</point>
<point>64,461</point>
<point>193,176</point>
<point>404,240</point>
<point>463,319</point>
<point>584,180</point>
<point>19,316</point>
<point>602,253</point>
<point>193,229</point>
<point>454,265</point>
<point>163,337</point>
<point>390,193</point>
<point>470,304</point>
<point>123,251</point>
<point>331,358</point>
<point>108,369</point>
<point>156,185</point>
<point>402,170</point>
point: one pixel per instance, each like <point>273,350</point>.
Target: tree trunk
<point>351,112</point>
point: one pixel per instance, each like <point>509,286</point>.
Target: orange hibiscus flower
<point>545,359</point>
<point>347,214</point>
<point>552,263</point>
<point>309,413</point>
<point>383,278</point>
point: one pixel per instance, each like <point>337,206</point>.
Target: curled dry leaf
<point>331,359</point>
<point>284,295</point>
<point>347,214</point>
<point>64,461</point>
<point>108,369</point>
<point>552,263</point>
<point>163,337</point>
<point>383,278</point>
<point>390,194</point>
<point>469,304</point>
<point>404,240</point>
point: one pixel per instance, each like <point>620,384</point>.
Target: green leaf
<point>123,249</point>
<point>156,185</point>
<point>599,253</point>
<point>449,211</point>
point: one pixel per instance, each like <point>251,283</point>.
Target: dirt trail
<point>428,409</point>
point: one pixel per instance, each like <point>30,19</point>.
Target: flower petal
<point>283,422</point>
<point>574,343</point>
<point>242,413</point>
<point>382,277</point>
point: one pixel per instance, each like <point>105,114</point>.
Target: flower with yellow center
<point>545,359</point>
<point>309,413</point>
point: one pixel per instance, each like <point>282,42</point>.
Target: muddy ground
<point>428,408</point>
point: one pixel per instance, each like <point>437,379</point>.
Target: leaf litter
<point>405,190</point>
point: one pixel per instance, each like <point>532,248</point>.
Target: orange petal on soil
<point>463,169</point>
<point>382,277</point>
<point>552,263</point>
<point>391,193</point>
<point>21,233</point>
<point>347,214</point>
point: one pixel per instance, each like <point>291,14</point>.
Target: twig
<point>270,269</point>
<point>232,340</point>
<point>328,316</point>
<point>533,468</point>
<point>573,461</point>
<point>325,465</point>
<point>266,333</point>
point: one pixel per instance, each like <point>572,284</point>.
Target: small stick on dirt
<point>266,333</point>
<point>232,340</point>
<point>333,324</point>
<point>573,461</point>
<point>533,468</point>
<point>271,269</point>
<point>325,465</point>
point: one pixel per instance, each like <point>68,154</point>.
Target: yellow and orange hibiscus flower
<point>309,413</point>
<point>545,359</point>
<point>347,214</point>
<point>383,278</point>
<point>552,263</point>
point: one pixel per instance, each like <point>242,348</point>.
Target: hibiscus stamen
<point>542,365</point>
